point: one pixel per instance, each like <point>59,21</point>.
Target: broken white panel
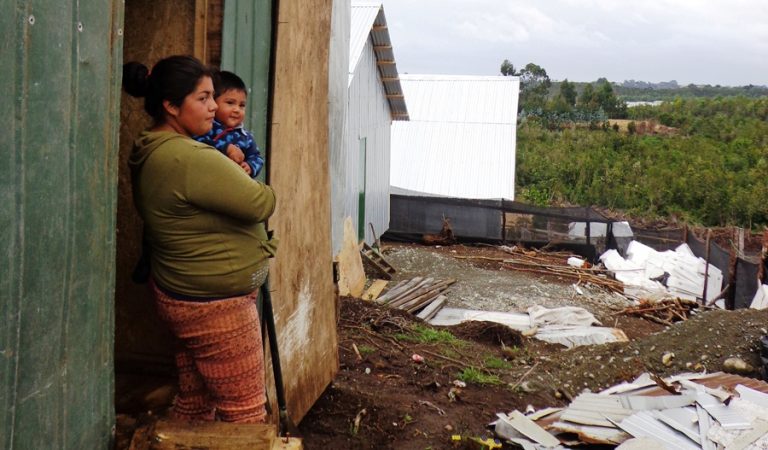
<point>605,410</point>
<point>705,423</point>
<point>752,396</point>
<point>525,426</point>
<point>573,336</point>
<point>728,418</point>
<point>644,424</point>
<point>566,315</point>
<point>543,413</point>
<point>683,420</point>
<point>592,434</point>
<point>455,316</point>
<point>641,443</point>
<point>745,440</point>
<point>760,300</point>
<point>752,439</point>
<point>686,271</point>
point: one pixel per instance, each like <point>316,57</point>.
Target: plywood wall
<point>299,172</point>
<point>154,29</point>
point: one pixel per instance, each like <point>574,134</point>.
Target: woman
<point>204,222</point>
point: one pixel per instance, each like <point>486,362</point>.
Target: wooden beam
<point>382,47</point>
<point>395,96</point>
<point>385,62</point>
<point>169,435</point>
<point>387,79</point>
<point>379,27</point>
<point>201,30</point>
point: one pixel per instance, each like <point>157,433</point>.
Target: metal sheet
<point>643,424</point>
<point>59,79</point>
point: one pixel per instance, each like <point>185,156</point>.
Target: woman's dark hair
<point>227,81</point>
<point>171,79</point>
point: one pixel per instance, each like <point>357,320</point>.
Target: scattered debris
<point>665,312</point>
<point>569,326</point>
<point>647,273</point>
<point>445,237</point>
<point>638,414</point>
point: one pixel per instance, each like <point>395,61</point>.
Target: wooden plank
<point>351,272</point>
<point>430,310</point>
<point>374,289</point>
<point>421,291</point>
<point>302,275</point>
<point>201,30</point>
<point>170,435</point>
<point>409,287</point>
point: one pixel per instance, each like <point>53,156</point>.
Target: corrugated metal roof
<point>460,140</point>
<point>368,19</point>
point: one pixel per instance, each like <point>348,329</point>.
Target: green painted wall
<point>245,47</point>
<point>59,85</point>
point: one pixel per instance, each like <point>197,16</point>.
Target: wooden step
<point>166,434</point>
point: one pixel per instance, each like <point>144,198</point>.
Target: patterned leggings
<point>221,359</point>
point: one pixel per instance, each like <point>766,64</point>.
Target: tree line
<point>712,169</point>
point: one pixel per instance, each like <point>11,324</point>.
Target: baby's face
<point>231,108</point>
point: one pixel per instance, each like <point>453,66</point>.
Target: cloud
<point>584,39</point>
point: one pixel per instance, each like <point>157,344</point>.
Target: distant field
<point>643,126</point>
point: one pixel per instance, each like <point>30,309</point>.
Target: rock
<point>737,366</point>
<point>667,358</point>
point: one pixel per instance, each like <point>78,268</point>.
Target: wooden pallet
<point>376,263</point>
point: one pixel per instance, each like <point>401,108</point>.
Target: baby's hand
<point>235,154</point>
<point>246,167</point>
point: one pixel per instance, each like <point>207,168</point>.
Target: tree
<point>568,92</point>
<point>534,87</point>
<point>587,99</point>
<point>508,69</point>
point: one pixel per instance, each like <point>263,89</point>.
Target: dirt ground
<point>383,398</point>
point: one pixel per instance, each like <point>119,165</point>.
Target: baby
<point>228,135</point>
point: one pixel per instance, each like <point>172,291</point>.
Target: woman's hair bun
<point>135,79</point>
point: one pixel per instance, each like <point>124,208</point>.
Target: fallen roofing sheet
<point>567,335</point>
<point>695,419</point>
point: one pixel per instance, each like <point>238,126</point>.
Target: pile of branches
<point>553,263</point>
<point>665,312</point>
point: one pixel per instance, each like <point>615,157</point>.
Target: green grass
<point>493,362</point>
<point>476,376</point>
<point>425,335</point>
<point>365,350</point>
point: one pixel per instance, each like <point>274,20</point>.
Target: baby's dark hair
<point>228,81</point>
<point>171,79</point>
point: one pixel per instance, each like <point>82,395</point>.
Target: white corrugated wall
<point>338,70</point>
<point>368,117</point>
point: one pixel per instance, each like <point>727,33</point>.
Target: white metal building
<point>460,139</point>
<point>375,99</point>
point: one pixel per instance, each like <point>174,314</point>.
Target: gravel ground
<point>496,289</point>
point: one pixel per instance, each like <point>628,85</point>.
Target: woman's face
<point>195,115</point>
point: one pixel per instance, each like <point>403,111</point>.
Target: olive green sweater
<point>203,215</point>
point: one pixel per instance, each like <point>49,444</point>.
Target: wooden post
<point>587,231</point>
<point>503,224</point>
<point>730,298</point>
<point>740,240</point>
<point>706,268</point>
<point>763,257</point>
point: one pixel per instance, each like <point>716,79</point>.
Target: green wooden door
<point>245,50</point>
<point>59,85</point>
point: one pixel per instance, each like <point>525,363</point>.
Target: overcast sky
<point>692,41</point>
